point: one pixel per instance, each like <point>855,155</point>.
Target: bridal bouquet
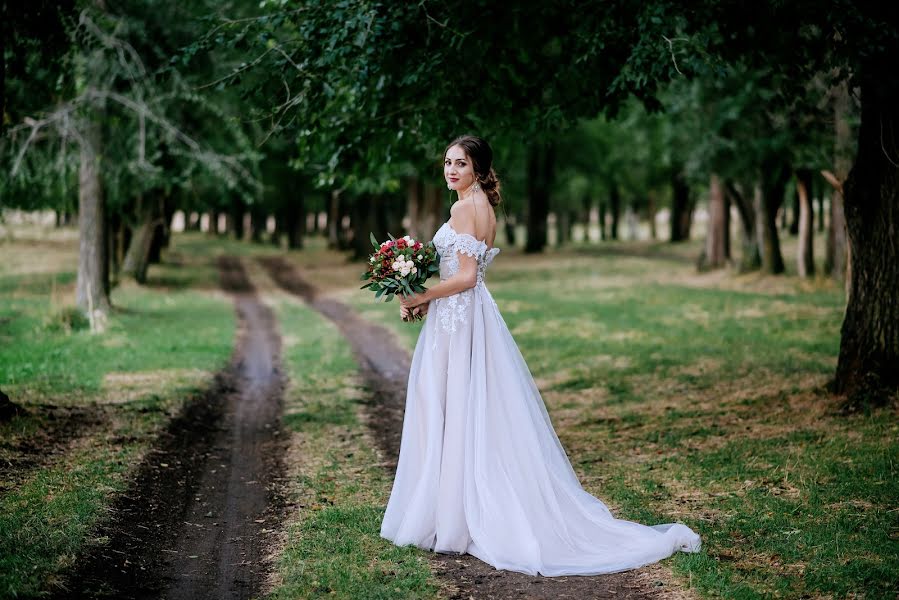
<point>400,266</point>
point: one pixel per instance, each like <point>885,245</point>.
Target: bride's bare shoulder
<point>476,214</point>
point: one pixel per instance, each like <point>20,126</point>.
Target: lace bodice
<point>449,244</point>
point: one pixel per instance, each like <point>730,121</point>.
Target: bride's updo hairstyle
<point>481,156</point>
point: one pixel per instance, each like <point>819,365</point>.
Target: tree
<point>365,73</point>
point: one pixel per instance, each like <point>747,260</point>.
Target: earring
<point>476,187</point>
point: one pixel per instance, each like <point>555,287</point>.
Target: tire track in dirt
<point>385,368</point>
<point>194,523</point>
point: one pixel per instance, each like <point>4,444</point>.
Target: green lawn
<point>701,398</point>
<point>161,345</point>
<point>333,547</point>
<point>679,396</point>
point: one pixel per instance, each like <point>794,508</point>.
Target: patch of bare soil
<point>60,428</point>
<point>385,367</point>
<point>197,520</point>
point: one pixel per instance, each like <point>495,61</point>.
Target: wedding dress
<point>481,470</point>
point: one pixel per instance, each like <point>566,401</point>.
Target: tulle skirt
<point>481,470</point>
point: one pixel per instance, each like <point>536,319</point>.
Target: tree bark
<point>137,259</point>
<point>837,259</point>
<point>540,179</point>
<point>563,227</point>
<point>369,216</point>
<point>92,287</point>
<point>162,233</point>
<point>820,198</point>
<point>423,206</point>
<point>805,254</point>
<point>334,219</point>
<point>750,258</point>
<point>868,367</point>
<point>602,221</point>
<point>237,210</point>
<point>773,183</point>
<point>510,223</point>
<point>615,207</point>
<point>795,213</point>
<point>715,254</point>
<point>258,219</point>
<point>294,222</point>
<point>681,209</point>
<point>114,244</point>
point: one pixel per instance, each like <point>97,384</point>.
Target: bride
<point>481,470</point>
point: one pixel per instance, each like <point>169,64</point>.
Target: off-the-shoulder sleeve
<point>467,244</point>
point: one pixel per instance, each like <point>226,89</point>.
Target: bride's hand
<point>414,300</point>
<point>405,313</point>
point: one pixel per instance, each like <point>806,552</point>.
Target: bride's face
<point>457,169</point>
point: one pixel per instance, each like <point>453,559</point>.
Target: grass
<point>118,388</point>
<point>679,397</point>
<point>333,546</point>
<point>701,398</point>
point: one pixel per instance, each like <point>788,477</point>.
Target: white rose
<point>414,269</point>
<point>395,266</point>
<point>419,257</point>
<point>404,272</point>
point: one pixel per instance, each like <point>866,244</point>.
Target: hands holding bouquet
<point>400,266</point>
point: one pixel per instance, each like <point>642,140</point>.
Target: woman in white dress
<point>481,470</point>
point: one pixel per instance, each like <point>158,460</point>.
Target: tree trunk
<point>237,209</point>
<point>795,214</point>
<point>214,228</point>
<point>563,227</point>
<point>681,209</point>
<point>602,221</point>
<point>369,216</point>
<point>651,215</point>
<point>294,222</point>
<point>714,256</point>
<point>334,220</point>
<point>540,179</point>
<point>868,367</point>
<point>423,206</point>
<point>114,243</point>
<point>773,183</point>
<point>615,206</point>
<point>92,287</point>
<point>820,198</point>
<point>162,233</point>
<point>805,254</point>
<point>837,259</point>
<point>750,258</point>
<point>258,219</point>
<point>137,259</point>
<point>510,223</point>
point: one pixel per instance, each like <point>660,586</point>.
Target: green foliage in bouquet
<point>399,266</point>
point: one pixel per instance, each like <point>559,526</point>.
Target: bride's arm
<point>467,275</point>
<point>464,279</point>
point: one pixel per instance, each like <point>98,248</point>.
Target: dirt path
<point>386,374</point>
<point>195,522</point>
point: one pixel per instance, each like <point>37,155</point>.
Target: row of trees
<point>281,108</point>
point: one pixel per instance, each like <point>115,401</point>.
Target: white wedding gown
<point>481,469</point>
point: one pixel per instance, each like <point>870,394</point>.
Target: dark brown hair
<point>481,155</point>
